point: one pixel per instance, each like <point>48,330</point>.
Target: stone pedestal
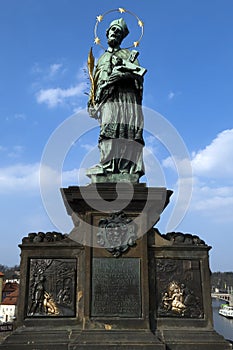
<point>115,282</point>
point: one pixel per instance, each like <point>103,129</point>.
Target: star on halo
<point>97,40</point>
<point>140,23</point>
<point>99,18</point>
<point>121,10</point>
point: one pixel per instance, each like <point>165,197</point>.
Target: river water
<point>222,325</point>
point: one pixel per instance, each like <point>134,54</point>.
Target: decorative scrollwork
<point>117,233</point>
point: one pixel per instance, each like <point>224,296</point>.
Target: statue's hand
<point>117,75</point>
<point>114,77</point>
<point>92,112</point>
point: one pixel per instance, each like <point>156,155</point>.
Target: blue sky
<point>188,52</point>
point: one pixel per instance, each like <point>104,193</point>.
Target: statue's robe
<point>121,118</point>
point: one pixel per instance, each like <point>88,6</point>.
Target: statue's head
<point>116,32</point>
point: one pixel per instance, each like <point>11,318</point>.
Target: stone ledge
<point>41,338</point>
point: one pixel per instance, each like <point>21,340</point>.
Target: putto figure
<point>116,101</point>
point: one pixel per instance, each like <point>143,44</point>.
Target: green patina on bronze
<point>116,101</point>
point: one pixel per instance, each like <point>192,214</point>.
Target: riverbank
<point>222,325</point>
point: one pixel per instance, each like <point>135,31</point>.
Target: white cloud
<point>48,71</point>
<point>19,178</point>
<point>215,203</point>
<point>152,167</point>
<point>52,180</point>
<point>169,163</point>
<point>77,109</point>
<point>16,152</point>
<point>28,178</point>
<point>216,159</point>
<point>36,68</point>
<point>171,95</point>
<point>88,147</point>
<point>83,72</point>
<point>152,144</point>
<point>212,194</point>
<point>20,116</point>
<point>13,151</point>
<point>74,177</point>
<point>54,68</point>
<point>175,163</point>
<point>53,97</point>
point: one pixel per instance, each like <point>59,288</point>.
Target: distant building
<point>8,307</point>
<point>9,292</point>
<point>8,288</point>
<point>1,285</point>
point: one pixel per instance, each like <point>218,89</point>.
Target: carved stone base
<point>115,283</point>
<point>64,338</point>
<point>55,339</point>
<point>188,339</point>
<point>37,338</point>
<point>112,340</point>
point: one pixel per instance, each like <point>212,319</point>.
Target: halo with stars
<point>121,10</point>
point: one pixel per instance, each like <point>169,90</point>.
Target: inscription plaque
<point>116,287</point>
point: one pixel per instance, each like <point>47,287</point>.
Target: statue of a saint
<point>116,101</point>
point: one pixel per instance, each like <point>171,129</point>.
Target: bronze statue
<point>37,295</point>
<point>116,101</point>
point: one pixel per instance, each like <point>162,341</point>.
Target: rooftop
<point>11,299</point>
<point>10,287</point>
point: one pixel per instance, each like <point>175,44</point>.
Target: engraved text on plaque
<point>116,287</point>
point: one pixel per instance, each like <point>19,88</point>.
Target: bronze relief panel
<point>178,288</point>
<point>51,288</point>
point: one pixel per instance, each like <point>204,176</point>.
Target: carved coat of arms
<point>117,233</point>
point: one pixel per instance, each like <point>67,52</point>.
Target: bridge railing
<point>223,296</point>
